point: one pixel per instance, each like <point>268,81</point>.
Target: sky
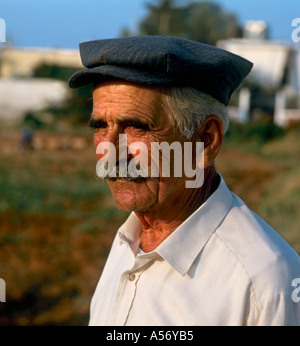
<point>66,23</point>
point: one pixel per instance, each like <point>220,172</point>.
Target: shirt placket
<point>128,286</point>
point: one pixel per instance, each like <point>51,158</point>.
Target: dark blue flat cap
<point>162,61</point>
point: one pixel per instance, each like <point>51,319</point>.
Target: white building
<point>18,96</point>
<point>276,70</point>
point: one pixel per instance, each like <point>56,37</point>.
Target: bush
<point>260,131</point>
<point>32,121</point>
<point>53,71</point>
<point>78,107</point>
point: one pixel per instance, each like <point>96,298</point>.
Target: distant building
<point>276,72</point>
<point>255,29</point>
<point>16,82</point>
<point>20,62</point>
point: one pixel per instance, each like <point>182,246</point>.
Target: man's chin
<point>132,195</point>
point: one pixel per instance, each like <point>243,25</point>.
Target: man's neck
<point>159,225</point>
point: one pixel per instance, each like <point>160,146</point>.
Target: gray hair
<point>188,107</point>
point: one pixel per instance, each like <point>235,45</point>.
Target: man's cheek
<point>106,149</point>
<point>97,141</point>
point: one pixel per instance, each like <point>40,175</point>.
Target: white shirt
<point>222,266</point>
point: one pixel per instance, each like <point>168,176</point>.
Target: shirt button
<point>131,277</point>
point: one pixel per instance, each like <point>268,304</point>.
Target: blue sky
<point>66,23</point>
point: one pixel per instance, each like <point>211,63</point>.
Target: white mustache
<point>122,170</point>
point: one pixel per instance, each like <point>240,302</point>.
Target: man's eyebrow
<point>96,123</point>
<point>134,122</point>
<point>127,121</point>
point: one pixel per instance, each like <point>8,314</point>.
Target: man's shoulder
<point>269,261</point>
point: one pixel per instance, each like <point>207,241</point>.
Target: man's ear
<point>211,133</point>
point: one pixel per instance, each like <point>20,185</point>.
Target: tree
<point>200,21</point>
<point>208,23</point>
<point>163,19</point>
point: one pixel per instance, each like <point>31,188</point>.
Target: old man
<point>186,255</point>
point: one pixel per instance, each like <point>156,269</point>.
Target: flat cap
<point>162,61</point>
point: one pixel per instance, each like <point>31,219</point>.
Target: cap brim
<point>106,72</point>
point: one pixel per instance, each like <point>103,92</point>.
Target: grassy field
<point>57,221</point>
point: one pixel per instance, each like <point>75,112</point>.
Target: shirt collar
<point>130,231</point>
<point>182,247</point>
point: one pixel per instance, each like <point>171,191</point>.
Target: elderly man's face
<point>120,108</point>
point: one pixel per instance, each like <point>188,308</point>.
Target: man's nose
<point>113,136</point>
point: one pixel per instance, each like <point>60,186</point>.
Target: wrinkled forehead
<point>125,85</point>
<point>120,97</point>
